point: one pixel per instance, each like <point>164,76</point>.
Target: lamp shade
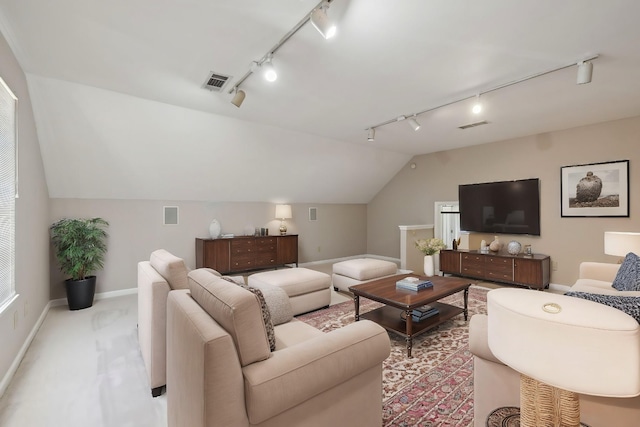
<point>621,243</point>
<point>283,211</point>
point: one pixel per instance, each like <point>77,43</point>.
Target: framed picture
<point>595,190</point>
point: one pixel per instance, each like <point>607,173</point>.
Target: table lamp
<point>620,243</point>
<point>283,212</point>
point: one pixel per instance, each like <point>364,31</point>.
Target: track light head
<point>585,71</point>
<point>322,23</point>
<point>238,98</point>
<point>477,107</point>
<point>414,124</point>
<point>372,135</point>
<point>268,71</point>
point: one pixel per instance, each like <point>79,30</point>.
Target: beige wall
<point>32,222</point>
<point>409,197</point>
<point>136,229</point>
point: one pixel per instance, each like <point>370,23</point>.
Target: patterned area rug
<point>435,386</point>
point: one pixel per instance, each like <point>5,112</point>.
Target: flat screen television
<point>505,207</point>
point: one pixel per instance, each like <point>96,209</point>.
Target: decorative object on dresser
<point>283,212</point>
<point>525,270</point>
<point>514,247</point>
<point>595,190</point>
<point>215,229</point>
<point>495,245</point>
<point>246,253</point>
<point>429,247</point>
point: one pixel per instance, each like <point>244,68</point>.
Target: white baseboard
<point>557,287</point>
<point>334,260</point>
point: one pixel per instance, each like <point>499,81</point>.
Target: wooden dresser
<point>526,270</point>
<point>245,253</point>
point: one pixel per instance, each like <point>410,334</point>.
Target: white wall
<point>136,229</point>
<point>32,222</point>
<point>409,197</point>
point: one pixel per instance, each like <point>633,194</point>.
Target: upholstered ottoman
<point>361,270</point>
<point>308,290</point>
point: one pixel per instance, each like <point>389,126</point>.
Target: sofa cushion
<point>628,304</point>
<point>172,268</point>
<point>266,313</point>
<point>628,277</point>
<point>237,310</point>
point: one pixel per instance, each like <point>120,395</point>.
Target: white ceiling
<point>117,88</point>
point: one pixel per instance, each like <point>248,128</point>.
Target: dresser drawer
<point>242,262</point>
<point>471,261</point>
<point>499,265</point>
<point>472,271</point>
<point>266,245</point>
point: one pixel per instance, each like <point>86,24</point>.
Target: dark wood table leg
<point>409,331</point>
<point>356,302</point>
<point>466,304</point>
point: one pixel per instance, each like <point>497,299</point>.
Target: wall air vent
<point>472,125</point>
<point>216,81</point>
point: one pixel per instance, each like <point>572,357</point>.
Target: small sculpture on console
<point>495,246</point>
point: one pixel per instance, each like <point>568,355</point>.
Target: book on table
<point>413,284</point>
<point>423,312</point>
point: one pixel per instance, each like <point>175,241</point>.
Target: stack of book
<point>424,312</point>
<point>413,284</point>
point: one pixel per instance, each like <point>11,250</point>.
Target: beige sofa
<point>597,277</point>
<point>221,371</point>
<point>156,278</point>
<point>497,385</point>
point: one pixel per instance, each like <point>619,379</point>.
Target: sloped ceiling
<point>121,113</point>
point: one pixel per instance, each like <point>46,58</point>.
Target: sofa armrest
<point>153,290</point>
<point>601,271</point>
<point>479,339</point>
<point>297,373</point>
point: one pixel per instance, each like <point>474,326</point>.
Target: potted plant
<point>80,246</point>
<point>430,247</point>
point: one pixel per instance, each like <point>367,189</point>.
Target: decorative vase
<point>495,245</point>
<point>428,265</point>
<point>514,247</point>
<point>215,229</point>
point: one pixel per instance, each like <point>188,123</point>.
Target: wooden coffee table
<point>398,301</point>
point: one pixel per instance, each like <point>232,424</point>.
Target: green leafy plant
<point>430,246</point>
<point>79,245</point>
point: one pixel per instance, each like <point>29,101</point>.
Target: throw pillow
<point>266,315</point>
<point>628,277</point>
<point>630,305</point>
<point>278,303</point>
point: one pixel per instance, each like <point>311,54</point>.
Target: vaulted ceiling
<point>117,89</point>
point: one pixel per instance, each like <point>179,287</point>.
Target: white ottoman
<point>361,270</point>
<point>308,290</point>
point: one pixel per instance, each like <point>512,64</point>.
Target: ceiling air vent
<point>472,125</point>
<point>216,81</point>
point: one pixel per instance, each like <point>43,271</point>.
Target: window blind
<point>8,192</point>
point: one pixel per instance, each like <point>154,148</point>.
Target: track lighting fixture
<point>372,134</point>
<point>585,71</point>
<point>317,17</point>
<point>414,123</point>
<point>321,21</point>
<point>267,69</point>
<point>238,98</point>
<point>477,107</point>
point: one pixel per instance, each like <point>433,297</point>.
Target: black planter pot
<point>80,292</point>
